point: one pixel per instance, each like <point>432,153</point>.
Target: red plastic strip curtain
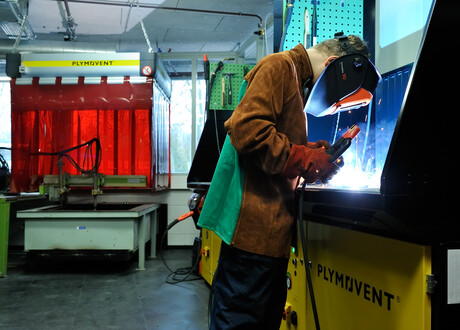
<point>56,117</point>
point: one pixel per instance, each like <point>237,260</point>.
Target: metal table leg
<point>4,233</point>
<point>141,237</point>
<point>153,234</point>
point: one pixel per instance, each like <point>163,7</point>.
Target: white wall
<point>177,198</point>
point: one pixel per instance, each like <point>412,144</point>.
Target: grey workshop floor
<point>102,295</point>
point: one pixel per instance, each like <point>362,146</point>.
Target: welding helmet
<point>347,83</point>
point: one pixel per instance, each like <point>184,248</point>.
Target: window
<point>181,128</point>
<point>187,121</point>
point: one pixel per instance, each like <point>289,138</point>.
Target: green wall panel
<point>332,17</point>
<point>218,100</point>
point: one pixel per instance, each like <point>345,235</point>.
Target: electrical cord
<point>218,68</point>
<point>303,238</point>
<point>144,31</point>
<point>90,164</point>
<point>303,235</point>
<point>180,274</point>
<point>287,21</point>
<point>3,162</point>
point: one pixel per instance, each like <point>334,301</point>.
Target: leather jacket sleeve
<point>272,92</point>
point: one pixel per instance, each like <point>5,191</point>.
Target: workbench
<point>7,203</point>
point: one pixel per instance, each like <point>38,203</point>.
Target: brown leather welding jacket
<point>267,120</point>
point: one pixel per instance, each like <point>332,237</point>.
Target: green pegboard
<point>218,100</point>
<point>332,17</point>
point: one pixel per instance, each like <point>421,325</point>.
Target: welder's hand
<point>311,164</point>
<point>319,144</point>
<point>339,162</point>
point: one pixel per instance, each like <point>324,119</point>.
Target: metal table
<point>118,228</point>
<point>5,211</point>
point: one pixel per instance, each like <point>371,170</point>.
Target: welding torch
<point>219,66</point>
<point>342,144</point>
<point>195,205</point>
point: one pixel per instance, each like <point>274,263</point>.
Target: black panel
<point>445,315</point>
<point>420,173</point>
<point>13,62</point>
<point>208,150</point>
<point>419,160</point>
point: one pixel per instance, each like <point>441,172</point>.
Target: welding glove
<point>311,164</point>
<point>325,145</point>
<point>318,144</point>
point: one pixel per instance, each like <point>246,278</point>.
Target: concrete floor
<point>102,295</point>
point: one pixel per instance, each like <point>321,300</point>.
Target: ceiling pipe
<point>153,6</point>
<point>70,23</point>
<point>260,32</point>
<point>47,46</point>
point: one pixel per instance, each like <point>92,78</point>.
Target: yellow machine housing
<point>360,281</point>
<point>210,250</point>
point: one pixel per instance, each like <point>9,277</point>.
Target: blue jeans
<point>249,291</point>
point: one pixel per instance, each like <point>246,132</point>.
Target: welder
<point>250,204</point>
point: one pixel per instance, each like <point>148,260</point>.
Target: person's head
<point>335,46</point>
<point>328,50</point>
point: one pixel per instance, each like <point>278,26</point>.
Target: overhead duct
<point>48,46</point>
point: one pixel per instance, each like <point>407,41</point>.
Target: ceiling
<point>168,26</point>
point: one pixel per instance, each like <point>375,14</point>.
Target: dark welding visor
<point>347,83</point>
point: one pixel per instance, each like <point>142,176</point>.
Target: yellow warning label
<point>81,63</point>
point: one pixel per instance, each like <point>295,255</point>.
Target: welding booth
<point>383,252</point>
<point>389,257</point>
<point>376,248</point>
<point>82,124</point>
